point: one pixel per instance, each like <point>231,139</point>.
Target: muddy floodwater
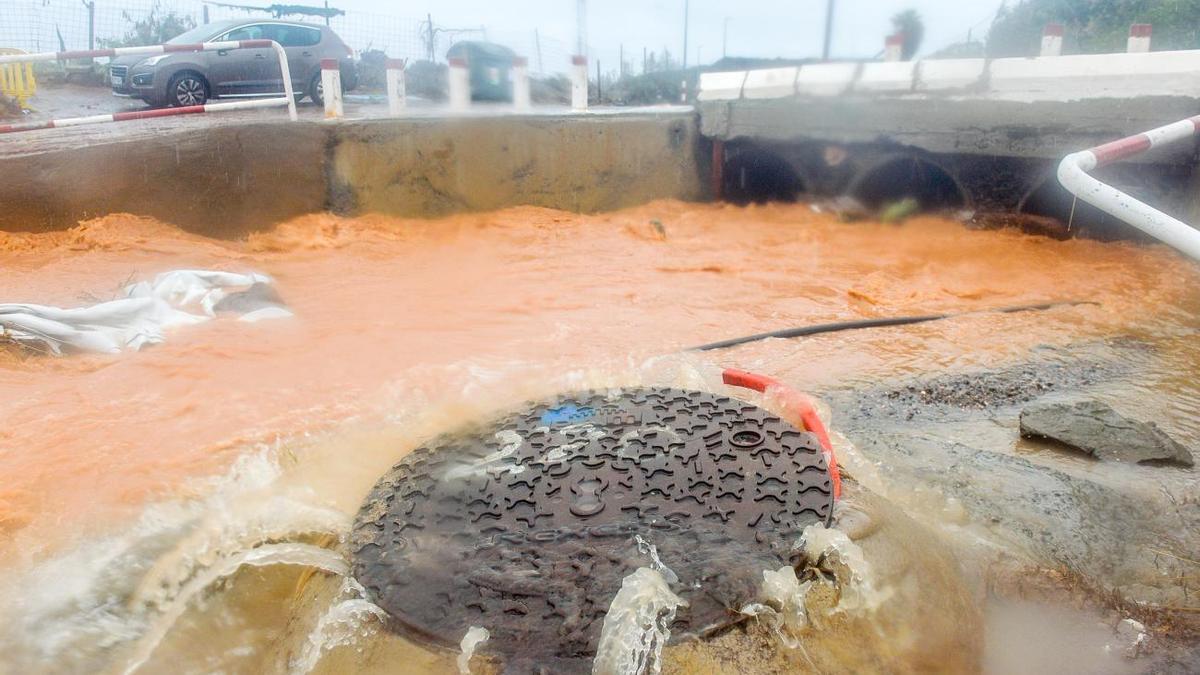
<point>185,507</point>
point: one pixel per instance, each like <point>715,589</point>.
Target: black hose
<point>873,323</point>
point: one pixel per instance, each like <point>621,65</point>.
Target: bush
<point>154,29</point>
<point>427,80</point>
<point>372,70</point>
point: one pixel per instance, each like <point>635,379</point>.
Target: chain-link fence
<point>50,25</point>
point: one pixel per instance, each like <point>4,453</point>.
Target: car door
<point>240,72</point>
<point>302,45</point>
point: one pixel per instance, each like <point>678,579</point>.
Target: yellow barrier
<point>16,79</point>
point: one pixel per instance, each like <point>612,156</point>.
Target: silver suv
<point>191,78</point>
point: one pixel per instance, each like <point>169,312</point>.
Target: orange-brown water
<point>396,315</point>
<point>383,302</point>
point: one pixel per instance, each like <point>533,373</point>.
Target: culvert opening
<point>1051,200</point>
<point>908,177</point>
<point>528,524</point>
<point>756,176</point>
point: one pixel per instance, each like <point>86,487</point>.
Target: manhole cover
<point>526,526</point>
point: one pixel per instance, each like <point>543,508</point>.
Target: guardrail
<point>1073,174</point>
<point>288,98</point>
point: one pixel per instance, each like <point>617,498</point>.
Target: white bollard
<point>1139,38</point>
<point>579,83</point>
<point>893,47</point>
<point>520,83</point>
<point>1052,38</point>
<point>331,88</point>
<point>395,86</point>
<point>460,84</point>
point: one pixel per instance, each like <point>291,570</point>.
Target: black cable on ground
<point>874,323</point>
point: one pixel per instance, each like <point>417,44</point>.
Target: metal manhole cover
<point>526,526</point>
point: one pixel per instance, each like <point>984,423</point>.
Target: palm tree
<point>909,24</point>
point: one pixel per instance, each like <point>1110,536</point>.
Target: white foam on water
<point>831,550</point>
<point>637,625</point>
<point>475,636</point>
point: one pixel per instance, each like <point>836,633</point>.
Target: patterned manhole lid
<point>526,525</point>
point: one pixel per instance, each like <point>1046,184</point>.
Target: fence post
<point>520,83</point>
<point>395,86</point>
<point>331,85</point>
<point>460,84</point>
<point>579,83</point>
<point>91,8</point>
<point>1052,39</point>
<point>1139,38</point>
<point>893,47</point>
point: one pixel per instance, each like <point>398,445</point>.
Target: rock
<point>1100,431</point>
<point>1131,638</point>
<point>257,296</point>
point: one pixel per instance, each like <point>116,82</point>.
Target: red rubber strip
<point>796,403</point>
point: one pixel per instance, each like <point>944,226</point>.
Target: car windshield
<point>197,34</point>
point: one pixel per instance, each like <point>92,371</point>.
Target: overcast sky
<point>766,28</point>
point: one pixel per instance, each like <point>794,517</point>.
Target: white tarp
<point>177,298</point>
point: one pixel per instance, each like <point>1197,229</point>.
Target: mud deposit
<point>188,507</point>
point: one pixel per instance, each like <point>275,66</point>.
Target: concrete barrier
<point>770,83</point>
<point>826,79</point>
<point>460,84</point>
<point>1139,38</point>
<point>725,86</point>
<point>579,83</point>
<point>331,88</point>
<point>397,99</point>
<point>1052,39</point>
<point>939,75</point>
<point>1066,78</point>
<point>894,77</point>
<point>520,83</point>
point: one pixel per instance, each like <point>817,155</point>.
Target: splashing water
<point>475,636</point>
<point>830,550</point>
<point>348,619</point>
<point>637,625</point>
<point>656,563</point>
<point>272,554</point>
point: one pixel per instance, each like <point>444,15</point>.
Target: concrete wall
<point>231,179</point>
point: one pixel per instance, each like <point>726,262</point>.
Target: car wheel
<point>187,89</point>
<point>316,90</point>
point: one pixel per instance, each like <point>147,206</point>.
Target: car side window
<point>293,36</point>
<point>245,33</point>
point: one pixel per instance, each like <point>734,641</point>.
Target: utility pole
<point>621,67</point>
<point>537,44</point>
<point>725,38</point>
<point>685,33</point>
<point>828,28</point>
<point>645,60</point>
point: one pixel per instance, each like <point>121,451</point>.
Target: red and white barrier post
<point>288,99</point>
<point>1073,175</point>
<point>1052,39</point>
<point>395,86</point>
<point>893,47</point>
<point>520,83</point>
<point>579,83</point>
<point>1139,38</point>
<point>460,84</point>
<point>331,88</point>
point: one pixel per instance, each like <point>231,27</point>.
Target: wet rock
<point>1131,638</point>
<point>1100,431</point>
<point>256,297</point>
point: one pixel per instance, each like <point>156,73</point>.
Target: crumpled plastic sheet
<point>176,298</point>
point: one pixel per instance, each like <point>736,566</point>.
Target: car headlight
<point>153,60</point>
<point>143,78</point>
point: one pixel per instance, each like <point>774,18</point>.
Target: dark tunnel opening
<point>908,177</point>
<point>758,176</point>
<point>1051,200</point>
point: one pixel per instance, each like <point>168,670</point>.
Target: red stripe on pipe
<point>1117,150</point>
<point>796,403</point>
<point>329,64</point>
<point>254,44</point>
<point>12,128</point>
<point>161,112</point>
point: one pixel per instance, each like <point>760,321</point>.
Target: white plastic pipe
<point>460,85</point>
<point>520,83</point>
<point>1073,175</point>
<point>579,83</point>
<point>395,86</point>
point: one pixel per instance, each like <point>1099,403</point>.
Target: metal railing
<point>285,72</point>
<point>1073,175</point>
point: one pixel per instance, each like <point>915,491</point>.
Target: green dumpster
<point>490,68</point>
